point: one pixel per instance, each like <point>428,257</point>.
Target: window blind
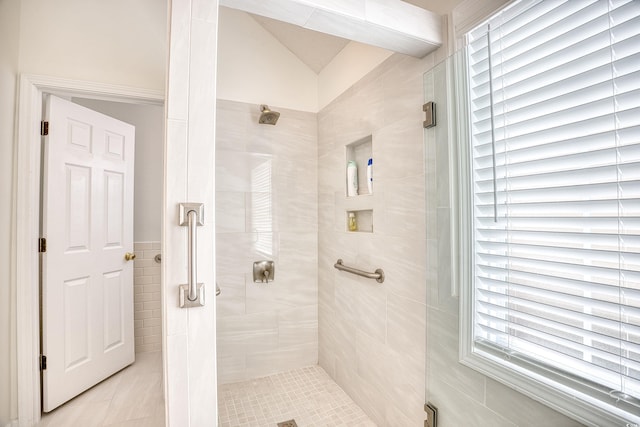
<point>554,91</point>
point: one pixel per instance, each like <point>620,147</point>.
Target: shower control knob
<point>129,256</point>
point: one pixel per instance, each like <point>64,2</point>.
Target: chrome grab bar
<point>193,259</point>
<point>378,275</point>
<point>192,294</point>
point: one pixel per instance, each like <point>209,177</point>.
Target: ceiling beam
<point>389,24</point>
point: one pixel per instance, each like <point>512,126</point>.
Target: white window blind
<point>554,91</point>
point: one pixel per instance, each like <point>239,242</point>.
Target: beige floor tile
<point>89,414</point>
<point>132,397</point>
<point>307,395</point>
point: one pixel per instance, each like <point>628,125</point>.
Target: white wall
<point>117,41</point>
<point>9,33</point>
<point>149,123</point>
<point>255,68</point>
<point>350,65</point>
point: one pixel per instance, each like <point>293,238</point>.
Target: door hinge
<point>430,115</point>
<point>432,415</point>
<point>42,245</point>
<point>43,362</point>
<point>44,128</point>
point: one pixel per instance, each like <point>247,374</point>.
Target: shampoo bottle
<point>370,175</point>
<point>352,179</point>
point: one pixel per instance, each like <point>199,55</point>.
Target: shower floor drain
<point>290,423</point>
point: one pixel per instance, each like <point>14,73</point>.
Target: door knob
<point>129,256</point>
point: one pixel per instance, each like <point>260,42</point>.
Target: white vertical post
<point>189,334</point>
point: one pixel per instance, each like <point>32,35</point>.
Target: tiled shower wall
<point>146,298</point>
<point>266,209</point>
<point>372,336</point>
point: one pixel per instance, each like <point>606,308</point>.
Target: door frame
<point>26,216</point>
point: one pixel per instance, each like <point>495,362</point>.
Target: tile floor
<point>307,395</point>
<point>131,398</point>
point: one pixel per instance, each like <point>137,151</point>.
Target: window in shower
<point>553,203</point>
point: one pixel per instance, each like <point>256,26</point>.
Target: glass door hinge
<point>432,415</point>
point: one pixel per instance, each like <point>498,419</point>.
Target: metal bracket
<point>432,415</point>
<point>192,294</point>
<point>185,208</point>
<point>185,302</point>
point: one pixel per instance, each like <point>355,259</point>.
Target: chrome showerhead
<point>268,117</point>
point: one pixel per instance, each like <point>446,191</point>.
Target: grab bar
<point>192,268</point>
<point>192,294</point>
<point>378,274</point>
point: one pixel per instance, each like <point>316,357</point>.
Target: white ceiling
<point>316,49</point>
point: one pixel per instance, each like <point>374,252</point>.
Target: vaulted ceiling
<point>317,49</point>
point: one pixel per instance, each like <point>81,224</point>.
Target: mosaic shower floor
<point>307,395</point>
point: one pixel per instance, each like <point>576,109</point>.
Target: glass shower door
<point>450,386</point>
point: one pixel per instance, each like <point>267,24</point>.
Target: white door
<point>87,220</point>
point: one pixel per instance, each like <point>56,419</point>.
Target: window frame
<point>533,380</point>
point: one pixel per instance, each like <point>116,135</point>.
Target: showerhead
<point>268,117</point>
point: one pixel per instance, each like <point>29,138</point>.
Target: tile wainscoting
<point>146,299</point>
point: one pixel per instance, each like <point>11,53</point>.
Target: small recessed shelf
<point>360,152</point>
<point>360,206</point>
<point>364,221</point>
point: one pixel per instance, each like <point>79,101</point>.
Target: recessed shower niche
<point>359,203</point>
<point>359,152</point>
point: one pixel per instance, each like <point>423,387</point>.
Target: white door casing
<point>87,219</point>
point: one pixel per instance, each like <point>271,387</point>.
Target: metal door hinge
<point>42,245</point>
<point>44,128</point>
<point>432,415</point>
<point>43,362</point>
<point>430,115</point>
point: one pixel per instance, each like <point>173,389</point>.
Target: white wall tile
<point>456,409</point>
<point>268,207</point>
<point>234,300</point>
<point>230,212</point>
<point>523,410</point>
<point>364,325</point>
<point>298,326</point>
<point>406,325</point>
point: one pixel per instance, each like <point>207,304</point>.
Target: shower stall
<point>281,197</point>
